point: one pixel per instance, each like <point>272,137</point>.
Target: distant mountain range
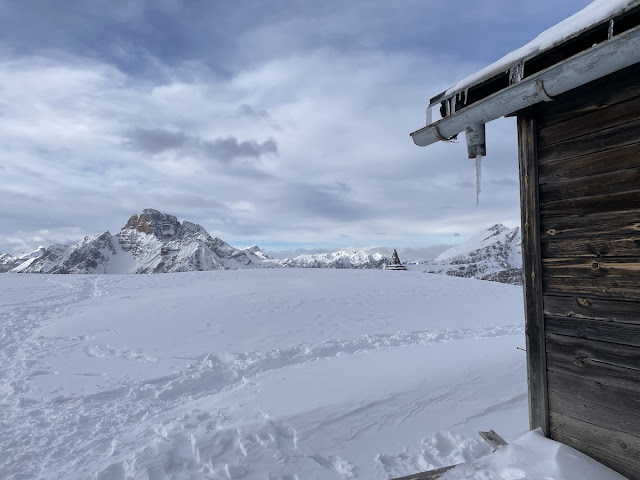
<point>155,242</point>
<point>493,254</point>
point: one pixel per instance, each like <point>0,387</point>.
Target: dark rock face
<point>153,222</point>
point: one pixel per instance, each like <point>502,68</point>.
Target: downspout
<point>607,57</point>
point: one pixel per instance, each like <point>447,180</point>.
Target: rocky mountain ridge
<point>155,242</point>
<point>493,254</point>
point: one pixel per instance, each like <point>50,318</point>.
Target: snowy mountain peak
<point>156,242</point>
<point>493,254</point>
<point>254,249</point>
<point>477,241</point>
<point>38,252</point>
<point>153,222</point>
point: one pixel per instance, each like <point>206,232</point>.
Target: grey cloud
<point>222,149</point>
<point>318,202</point>
<point>249,111</point>
<point>343,187</point>
<point>465,184</point>
<point>227,149</point>
<point>156,141</point>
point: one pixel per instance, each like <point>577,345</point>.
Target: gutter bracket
<point>541,92</point>
<point>444,139</point>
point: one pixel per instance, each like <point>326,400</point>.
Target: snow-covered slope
<point>152,242</point>
<point>8,262</point>
<point>493,254</point>
<point>340,259</point>
<point>263,374</point>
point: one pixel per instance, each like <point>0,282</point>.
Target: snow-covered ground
<point>257,374</point>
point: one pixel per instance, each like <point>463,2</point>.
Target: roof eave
<point>602,59</point>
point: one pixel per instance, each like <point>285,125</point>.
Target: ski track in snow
<point>40,434</point>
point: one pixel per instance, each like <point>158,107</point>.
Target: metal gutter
<point>603,59</point>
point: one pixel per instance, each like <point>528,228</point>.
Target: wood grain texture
<point>591,226</point>
<point>430,475</point>
<point>595,361</point>
<point>593,247</point>
<point>593,308</point>
<point>532,279</point>
<point>614,397</point>
<point>605,203</point>
<point>616,181</point>
<point>600,141</point>
<point>599,415</point>
<point>613,332</point>
<point>627,156</point>
<point>593,96</point>
<point>599,117</point>
<point>603,455</point>
<point>622,446</point>
<point>602,277</point>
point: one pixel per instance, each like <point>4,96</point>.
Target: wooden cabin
<point>575,91</point>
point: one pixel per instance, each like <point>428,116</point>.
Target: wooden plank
<point>622,333</point>
<point>430,475</point>
<point>621,446</point>
<point>594,225</point>
<point>599,415</point>
<point>493,439</point>
<point>591,287</point>
<point>603,277</point>
<point>593,246</point>
<point>604,116</point>
<point>534,330</point>
<point>614,397</point>
<point>593,308</point>
<point>627,156</point>
<point>616,202</point>
<point>607,363</point>
<point>609,90</point>
<point>616,181</point>
<point>602,455</point>
<point>603,140</point>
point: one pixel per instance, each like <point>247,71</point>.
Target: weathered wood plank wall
<point>587,157</point>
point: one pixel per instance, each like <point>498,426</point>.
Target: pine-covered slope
<point>493,254</point>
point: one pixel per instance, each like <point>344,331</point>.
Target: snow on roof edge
<point>593,14</point>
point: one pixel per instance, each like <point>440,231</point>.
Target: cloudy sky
<point>283,123</point>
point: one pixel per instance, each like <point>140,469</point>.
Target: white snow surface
<point>534,457</point>
<point>274,374</point>
<point>257,374</point>
<point>593,14</point>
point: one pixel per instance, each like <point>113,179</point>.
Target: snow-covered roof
<point>593,14</point>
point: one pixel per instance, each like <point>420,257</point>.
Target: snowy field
<point>270,374</point>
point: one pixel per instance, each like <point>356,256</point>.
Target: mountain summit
<point>493,254</point>
<point>155,242</point>
<point>151,242</point>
